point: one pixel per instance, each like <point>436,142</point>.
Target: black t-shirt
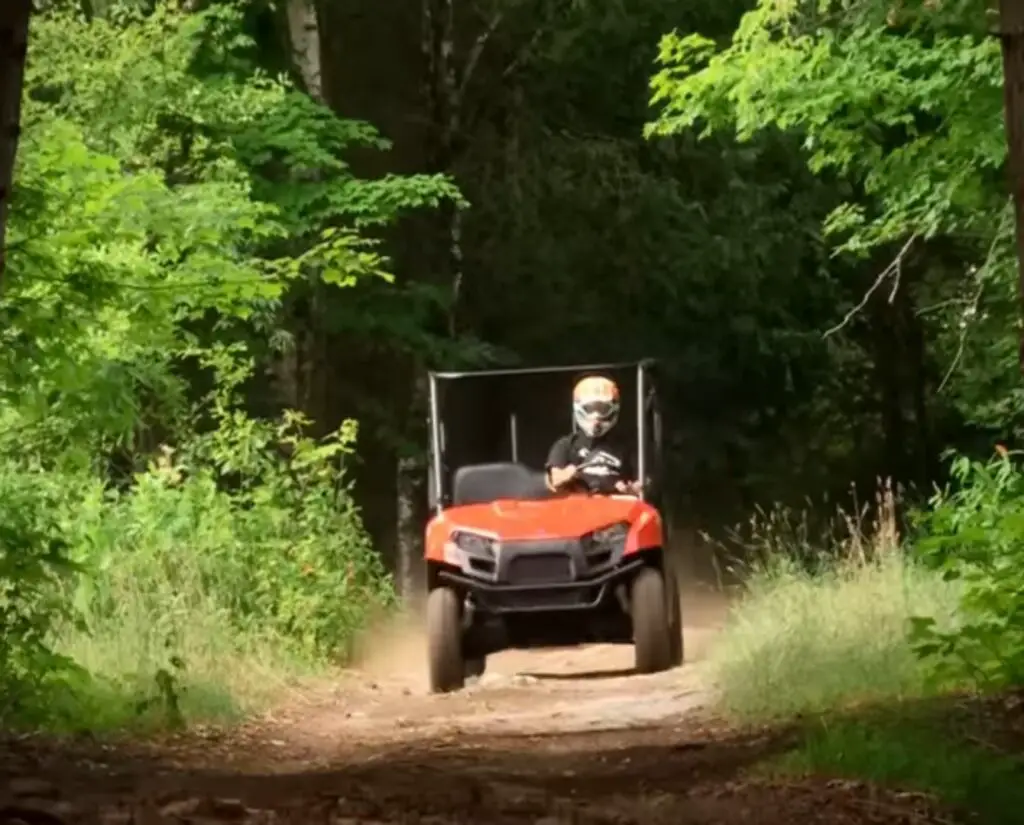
<point>606,458</point>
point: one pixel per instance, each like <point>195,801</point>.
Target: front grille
<point>540,568</point>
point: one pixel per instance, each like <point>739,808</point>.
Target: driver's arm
<point>559,467</point>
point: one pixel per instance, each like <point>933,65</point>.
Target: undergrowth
<point>866,638</point>
<point>913,749</point>
<point>193,596</point>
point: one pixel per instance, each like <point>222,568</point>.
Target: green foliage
<point>187,574</point>
<point>912,117</point>
<point>171,200</point>
<point>239,550</point>
<point>973,535</point>
<point>34,564</point>
<point>900,107</point>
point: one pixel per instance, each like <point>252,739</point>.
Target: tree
<point>14,18</point>
<point>903,107</point>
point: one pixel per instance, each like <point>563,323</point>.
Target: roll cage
<point>490,430</point>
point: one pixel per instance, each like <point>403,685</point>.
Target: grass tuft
<point>823,626</point>
<point>140,674</point>
<point>821,634</point>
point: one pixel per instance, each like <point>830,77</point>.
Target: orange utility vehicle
<point>511,564</point>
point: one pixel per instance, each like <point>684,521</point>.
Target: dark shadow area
<point>474,779</point>
<point>584,676</point>
<point>692,772</point>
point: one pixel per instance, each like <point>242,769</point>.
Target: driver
<point>588,459</point>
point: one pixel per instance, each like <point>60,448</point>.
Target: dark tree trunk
<point>14,16</point>
<point>888,379</point>
<point>921,468</point>
<point>1011,17</point>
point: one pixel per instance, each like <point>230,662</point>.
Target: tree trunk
<point>298,371</point>
<point>304,31</point>
<point>14,17</point>
<point>1011,18</point>
<point>410,522</point>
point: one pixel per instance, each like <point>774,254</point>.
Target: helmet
<point>595,405</point>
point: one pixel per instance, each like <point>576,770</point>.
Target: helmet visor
<point>597,409</point>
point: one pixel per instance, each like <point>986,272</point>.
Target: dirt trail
<point>565,736</point>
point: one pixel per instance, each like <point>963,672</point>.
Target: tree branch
<point>476,52</point>
<point>520,58</point>
<point>894,270</point>
<point>971,310</point>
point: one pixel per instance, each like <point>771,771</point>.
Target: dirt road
<point>553,737</point>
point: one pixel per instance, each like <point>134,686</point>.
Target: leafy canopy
<point>171,198</point>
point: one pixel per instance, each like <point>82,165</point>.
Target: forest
<point>241,231</point>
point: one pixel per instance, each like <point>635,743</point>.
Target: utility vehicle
<point>510,564</point>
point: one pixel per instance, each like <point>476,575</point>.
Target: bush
<point>33,561</point>
<point>974,535</point>
<point>282,551</point>
<point>196,597</point>
<point>820,629</point>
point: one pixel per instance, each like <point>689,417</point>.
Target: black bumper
<point>587,593</point>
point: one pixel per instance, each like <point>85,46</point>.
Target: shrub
<point>973,534</point>
<point>33,561</point>
<point>226,569</point>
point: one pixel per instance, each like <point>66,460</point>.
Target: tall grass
<point>823,618</point>
<point>160,648</point>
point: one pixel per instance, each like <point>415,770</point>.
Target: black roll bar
<point>435,437</point>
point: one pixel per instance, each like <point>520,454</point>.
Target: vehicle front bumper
<point>537,576</point>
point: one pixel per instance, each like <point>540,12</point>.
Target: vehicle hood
<point>558,518</point>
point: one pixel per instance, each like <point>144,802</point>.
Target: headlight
<point>463,548</point>
<point>473,544</point>
<point>613,534</point>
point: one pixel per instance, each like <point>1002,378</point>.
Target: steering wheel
<point>603,484</point>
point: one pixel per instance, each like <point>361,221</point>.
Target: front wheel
<point>651,623</point>
<point>444,641</point>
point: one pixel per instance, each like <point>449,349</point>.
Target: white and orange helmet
<point>595,405</point>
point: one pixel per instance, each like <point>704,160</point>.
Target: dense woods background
<point>228,212</point>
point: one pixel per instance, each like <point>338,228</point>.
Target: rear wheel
<point>444,641</point>
<point>651,627</point>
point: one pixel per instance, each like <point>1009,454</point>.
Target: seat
<point>482,483</point>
